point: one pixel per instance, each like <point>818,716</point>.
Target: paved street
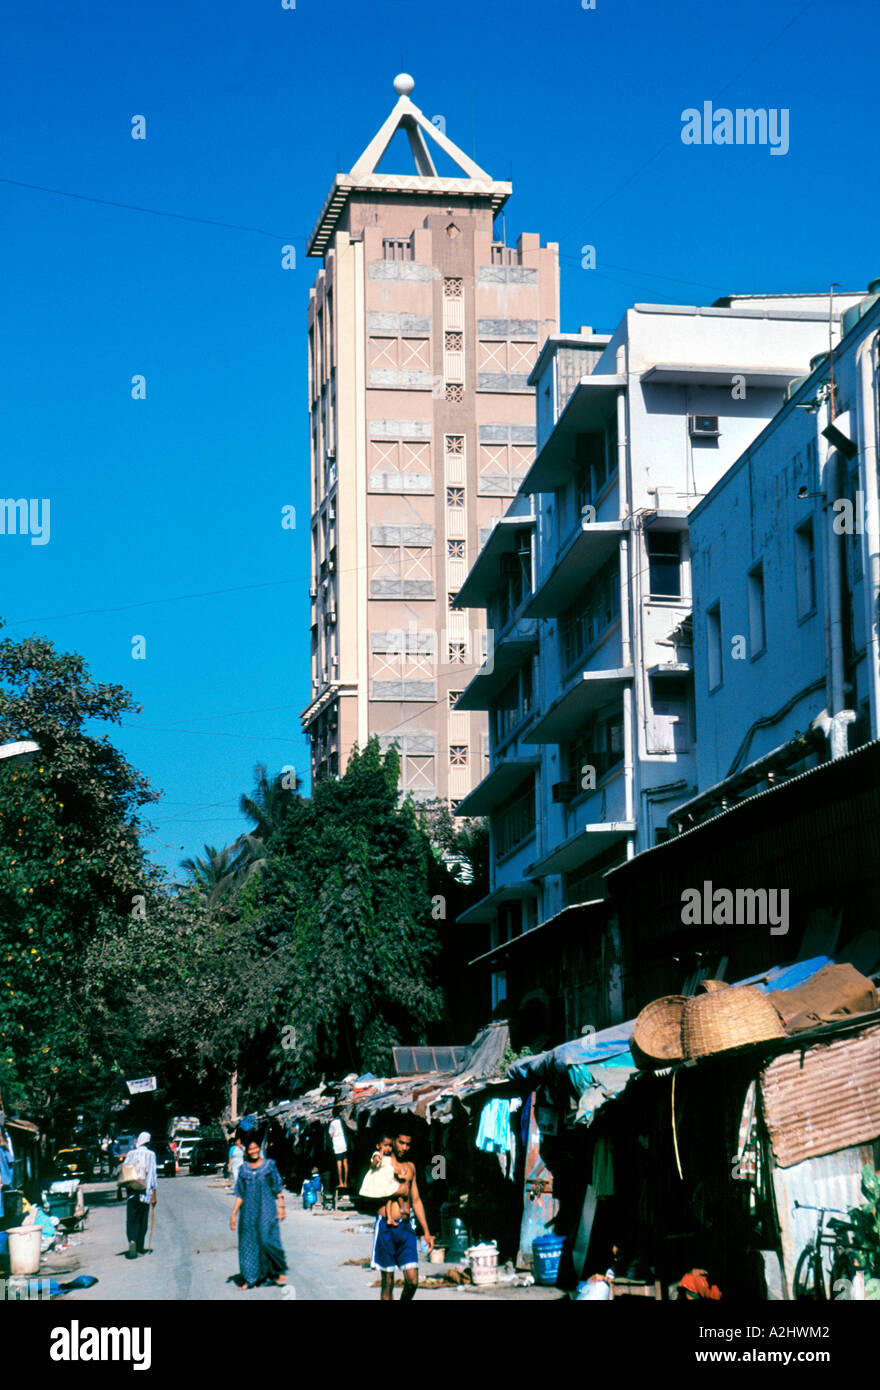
<point>195,1255</point>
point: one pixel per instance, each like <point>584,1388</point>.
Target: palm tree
<point>217,875</point>
<point>265,808</point>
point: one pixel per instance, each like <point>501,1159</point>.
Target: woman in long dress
<point>259,1195</point>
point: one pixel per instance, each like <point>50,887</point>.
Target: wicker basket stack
<point>719,1019</point>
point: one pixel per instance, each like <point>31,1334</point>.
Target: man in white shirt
<point>137,1213</point>
<point>340,1148</point>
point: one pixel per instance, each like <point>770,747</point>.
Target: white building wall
<point>754,516</point>
<point>662,467</point>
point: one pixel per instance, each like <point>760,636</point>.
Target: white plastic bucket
<point>24,1249</point>
<point>484,1263</point>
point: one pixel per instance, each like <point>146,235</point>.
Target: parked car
<point>166,1164</point>
<point>185,1145</point>
<point>74,1163</point>
<point>209,1156</point>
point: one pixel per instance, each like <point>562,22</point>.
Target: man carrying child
<point>395,1242</point>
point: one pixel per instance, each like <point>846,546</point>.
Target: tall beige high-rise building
<point>423,329</point>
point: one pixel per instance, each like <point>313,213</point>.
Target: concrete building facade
<point>786,565</point>
<point>590,692</point>
<point>423,330</point>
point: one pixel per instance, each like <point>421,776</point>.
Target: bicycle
<point>809,1273</point>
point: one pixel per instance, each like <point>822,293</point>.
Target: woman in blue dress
<point>259,1195</point>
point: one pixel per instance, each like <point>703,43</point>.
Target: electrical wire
<point>153,212</point>
<point>674,139</point>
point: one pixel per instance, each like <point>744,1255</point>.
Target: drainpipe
<point>866,356</point>
<point>828,486</point>
<point>625,509</point>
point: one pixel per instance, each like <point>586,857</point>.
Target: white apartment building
<point>786,570</point>
<point>588,589</point>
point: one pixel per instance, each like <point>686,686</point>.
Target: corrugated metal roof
<point>824,1098</point>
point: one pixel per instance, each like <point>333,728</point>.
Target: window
<point>805,565</point>
<point>458,755</point>
<point>455,497</point>
<point>713,640</point>
<point>515,702</point>
<point>453,342</point>
<point>397,248</point>
<point>600,748</point>
<point>757,617</point>
<point>455,550</point>
<point>454,442</point>
<point>582,626</point>
<point>453,288</point>
<point>664,564</point>
<point>455,392</point>
<point>451,599</point>
<point>671,700</point>
<point>457,653</point>
<point>452,696</point>
<point>498,988</point>
<point>516,822</point>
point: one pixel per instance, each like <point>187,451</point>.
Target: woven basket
<point>656,1039</point>
<point>728,1018</point>
<point>707,986</point>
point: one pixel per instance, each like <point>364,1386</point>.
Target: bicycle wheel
<point>806,1284</point>
<point>843,1272</point>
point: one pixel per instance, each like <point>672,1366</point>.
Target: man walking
<point>395,1242</point>
<point>137,1208</point>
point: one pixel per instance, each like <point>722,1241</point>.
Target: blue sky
<point>166,512</point>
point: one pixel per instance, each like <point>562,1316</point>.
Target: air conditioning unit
<point>335,663</point>
<point>331,615</point>
<point>564,791</point>
<point>331,513</point>
<point>331,567</point>
<point>703,426</point>
<point>313,592</point>
<point>331,455</point>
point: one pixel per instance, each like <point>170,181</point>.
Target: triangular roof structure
<point>406,116</point>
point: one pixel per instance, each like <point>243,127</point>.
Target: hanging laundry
<point>493,1134</point>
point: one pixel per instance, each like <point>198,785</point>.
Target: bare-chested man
<point>395,1244</point>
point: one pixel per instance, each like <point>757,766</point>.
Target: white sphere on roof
<point>403,84</point>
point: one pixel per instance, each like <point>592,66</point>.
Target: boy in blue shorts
<point>395,1243</point>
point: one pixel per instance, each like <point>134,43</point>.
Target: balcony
<point>580,559</point>
<point>516,644</point>
<point>506,777</point>
<point>591,403</point>
<point>485,574</point>
<point>580,848</point>
<point>692,374</point>
<point>571,710</point>
<point>486,908</point>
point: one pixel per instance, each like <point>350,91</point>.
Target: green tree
<point>347,877</point>
<point>71,864</point>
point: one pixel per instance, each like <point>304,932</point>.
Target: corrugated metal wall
<point>824,1099</point>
